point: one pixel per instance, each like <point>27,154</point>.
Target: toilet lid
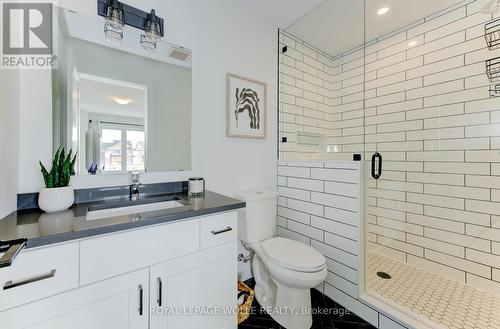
<point>293,255</point>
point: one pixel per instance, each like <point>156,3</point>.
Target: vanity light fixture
<point>383,11</point>
<point>152,33</point>
<point>118,14</point>
<point>122,101</point>
<point>113,26</point>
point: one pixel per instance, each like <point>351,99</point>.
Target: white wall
<point>9,81</point>
<point>35,128</point>
<point>223,39</point>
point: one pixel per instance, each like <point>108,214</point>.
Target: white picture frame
<point>246,107</point>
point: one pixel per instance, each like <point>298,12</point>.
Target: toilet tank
<point>257,222</point>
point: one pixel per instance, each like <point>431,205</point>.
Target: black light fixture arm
<point>131,16</point>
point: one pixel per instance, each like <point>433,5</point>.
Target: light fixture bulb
<point>122,101</point>
<point>383,11</point>
<point>152,32</point>
<point>113,26</point>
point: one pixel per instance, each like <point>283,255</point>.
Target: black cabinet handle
<point>222,231</point>
<point>12,284</point>
<point>141,298</point>
<point>377,173</point>
<point>160,284</point>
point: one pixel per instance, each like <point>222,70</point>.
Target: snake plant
<point>63,167</point>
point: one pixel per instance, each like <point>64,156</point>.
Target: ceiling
<point>97,97</point>
<point>281,13</point>
<point>335,26</point>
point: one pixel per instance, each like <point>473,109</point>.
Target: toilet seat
<point>293,255</point>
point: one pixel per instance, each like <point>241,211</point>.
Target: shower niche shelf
<point>492,34</point>
<point>493,69</point>
<point>313,142</point>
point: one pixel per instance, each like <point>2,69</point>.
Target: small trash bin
<point>245,308</point>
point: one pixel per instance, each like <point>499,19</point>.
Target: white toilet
<point>284,270</point>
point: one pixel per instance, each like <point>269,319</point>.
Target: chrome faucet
<point>134,188</point>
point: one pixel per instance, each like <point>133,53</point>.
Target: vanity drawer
<point>39,273</point>
<point>114,254</point>
<point>218,229</point>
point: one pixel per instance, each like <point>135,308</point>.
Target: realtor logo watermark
<point>27,35</point>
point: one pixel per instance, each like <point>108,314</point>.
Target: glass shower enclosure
<point>413,88</point>
<point>431,254</point>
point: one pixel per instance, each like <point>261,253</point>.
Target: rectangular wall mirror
<point>124,108</point>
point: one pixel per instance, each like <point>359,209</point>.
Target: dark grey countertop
<point>44,229</point>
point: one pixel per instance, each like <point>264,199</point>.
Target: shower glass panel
<point>432,183</point>
<point>321,75</point>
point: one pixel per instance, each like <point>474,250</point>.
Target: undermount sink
<point>130,208</point>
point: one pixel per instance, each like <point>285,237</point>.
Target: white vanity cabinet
<point>118,280</point>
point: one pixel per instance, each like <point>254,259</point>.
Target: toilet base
<point>289,306</point>
<point>283,293</point>
<point>291,309</point>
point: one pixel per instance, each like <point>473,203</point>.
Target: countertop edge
<point>97,231</point>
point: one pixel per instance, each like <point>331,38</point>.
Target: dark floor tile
<point>352,325</point>
<point>334,316</point>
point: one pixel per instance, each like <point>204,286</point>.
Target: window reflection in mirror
<point>112,118</point>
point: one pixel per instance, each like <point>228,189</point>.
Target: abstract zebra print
<point>248,100</point>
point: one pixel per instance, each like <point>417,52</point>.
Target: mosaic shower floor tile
<point>446,302</point>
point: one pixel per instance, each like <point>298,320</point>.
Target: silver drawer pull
<point>222,231</point>
<point>12,284</point>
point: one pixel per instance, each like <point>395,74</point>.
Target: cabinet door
<point>186,292</point>
<point>109,304</point>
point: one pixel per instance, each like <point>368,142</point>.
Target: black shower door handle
<point>377,173</point>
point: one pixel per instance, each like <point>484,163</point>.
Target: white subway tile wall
<point>427,110</point>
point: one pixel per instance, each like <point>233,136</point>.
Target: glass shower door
<point>432,190</point>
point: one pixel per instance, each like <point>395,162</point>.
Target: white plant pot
<point>56,199</point>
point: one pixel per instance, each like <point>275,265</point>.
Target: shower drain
<point>384,275</point>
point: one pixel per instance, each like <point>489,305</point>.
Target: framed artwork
<point>246,107</point>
